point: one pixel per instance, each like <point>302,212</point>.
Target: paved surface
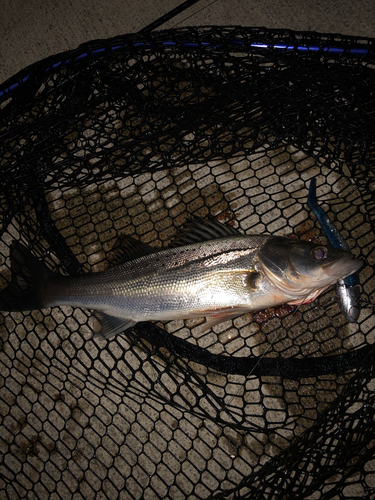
<point>33,30</point>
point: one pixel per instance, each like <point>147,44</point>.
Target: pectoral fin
<point>110,325</point>
<point>223,315</point>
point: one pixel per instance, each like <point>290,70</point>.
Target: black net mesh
<point>132,136</point>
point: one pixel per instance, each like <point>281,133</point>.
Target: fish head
<point>297,268</point>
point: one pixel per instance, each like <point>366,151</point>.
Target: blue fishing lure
<point>347,289</point>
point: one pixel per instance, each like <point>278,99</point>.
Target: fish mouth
<point>343,267</point>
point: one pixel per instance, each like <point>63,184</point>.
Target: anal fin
<point>111,325</point>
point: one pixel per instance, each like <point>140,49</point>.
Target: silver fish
<point>210,270</point>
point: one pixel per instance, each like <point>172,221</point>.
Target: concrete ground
<point>33,30</point>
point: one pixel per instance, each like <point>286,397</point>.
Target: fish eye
<point>320,252</point>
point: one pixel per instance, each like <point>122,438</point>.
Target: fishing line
<point>173,13</point>
<point>168,16</point>
<point>197,12</point>
<point>270,345</point>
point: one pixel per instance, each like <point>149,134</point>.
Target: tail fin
<point>25,291</point>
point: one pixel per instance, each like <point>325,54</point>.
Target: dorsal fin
<point>197,229</point>
<point>128,249</point>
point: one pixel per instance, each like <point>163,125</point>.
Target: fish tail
<point>29,276</point>
<point>312,201</point>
